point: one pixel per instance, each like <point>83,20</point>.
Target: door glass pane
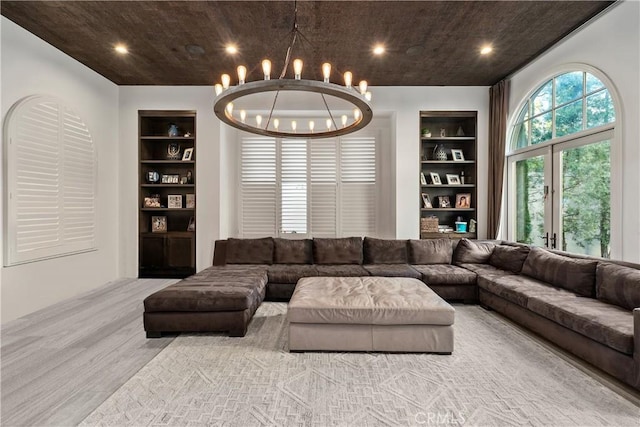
<point>530,201</point>
<point>600,109</point>
<point>568,87</point>
<point>569,118</point>
<point>586,195</point>
<point>541,128</point>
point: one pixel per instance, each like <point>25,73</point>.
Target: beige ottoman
<point>368,314</point>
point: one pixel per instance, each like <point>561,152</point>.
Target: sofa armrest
<point>636,345</point>
<point>220,252</point>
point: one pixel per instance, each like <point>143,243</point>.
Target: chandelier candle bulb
<point>363,87</point>
<point>243,115</point>
<point>326,71</point>
<point>328,124</point>
<point>226,80</point>
<point>356,114</point>
<point>294,125</point>
<point>259,120</point>
<point>367,96</point>
<point>344,120</point>
<point>230,108</point>
<point>218,88</point>
<point>242,74</point>
<point>297,68</point>
<point>276,123</point>
<point>348,78</point>
<point>311,125</point>
<point>266,69</point>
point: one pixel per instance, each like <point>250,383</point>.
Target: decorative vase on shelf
<point>439,153</point>
<point>173,130</point>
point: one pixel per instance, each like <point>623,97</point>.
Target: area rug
<point>497,375</point>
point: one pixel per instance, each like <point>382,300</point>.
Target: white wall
<point>208,184</point>
<point>31,66</point>
<point>405,104</point>
<point>611,44</point>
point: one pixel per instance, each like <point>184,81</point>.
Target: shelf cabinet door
<point>152,252</point>
<point>179,252</point>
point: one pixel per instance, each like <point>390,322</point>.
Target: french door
<point>559,195</point>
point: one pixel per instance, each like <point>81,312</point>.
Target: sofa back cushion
<point>250,251</point>
<point>290,251</point>
<point>510,258</point>
<point>473,252</point>
<point>345,250</point>
<point>385,251</point>
<point>576,275</point>
<point>618,285</point>
<point>430,251</point>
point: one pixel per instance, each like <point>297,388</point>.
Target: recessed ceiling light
<point>378,49</point>
<point>486,50</point>
<point>121,49</point>
<point>194,49</point>
<point>231,49</point>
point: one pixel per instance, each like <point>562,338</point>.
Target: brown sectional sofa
<point>588,306</point>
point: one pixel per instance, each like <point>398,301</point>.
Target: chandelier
<point>330,109</point>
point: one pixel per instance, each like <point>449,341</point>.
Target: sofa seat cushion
<point>602,322</point>
<point>290,273</point>
<point>573,274</point>
<point>445,274</point>
<point>392,270</point>
<point>343,250</point>
<point>430,251</point>
<point>385,251</point>
<point>518,289</point>
<point>200,296</point>
<point>486,269</point>
<point>618,285</point>
<point>231,271</point>
<point>342,270</point>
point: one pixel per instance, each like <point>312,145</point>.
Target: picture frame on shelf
<point>191,201</point>
<point>188,154</point>
<point>463,200</point>
<point>457,155</point>
<point>192,224</point>
<point>170,179</point>
<point>152,201</point>
<point>444,202</point>
<point>174,201</point>
<point>435,178</point>
<point>158,224</point>
<point>423,179</point>
<point>453,179</point>
<point>426,201</point>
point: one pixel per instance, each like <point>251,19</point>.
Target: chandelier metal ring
<point>261,86</point>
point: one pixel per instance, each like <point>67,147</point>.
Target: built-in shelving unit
<point>449,148</point>
<point>167,191</point>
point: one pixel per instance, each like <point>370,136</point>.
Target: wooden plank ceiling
<point>429,43</point>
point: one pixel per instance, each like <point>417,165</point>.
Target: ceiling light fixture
<point>231,49</point>
<point>486,50</point>
<point>343,109</point>
<point>121,49</point>
<point>378,49</point>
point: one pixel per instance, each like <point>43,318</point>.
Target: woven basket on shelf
<point>429,225</point>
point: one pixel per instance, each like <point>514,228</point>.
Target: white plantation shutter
<point>51,182</point>
<point>323,176</point>
<point>322,188</point>
<point>358,186</point>
<point>293,177</point>
<point>258,187</point>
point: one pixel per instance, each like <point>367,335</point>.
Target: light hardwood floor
<point>60,363</point>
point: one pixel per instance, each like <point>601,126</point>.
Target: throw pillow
<point>618,285</point>
<point>345,250</point>
<point>473,252</point>
<point>576,275</point>
<point>510,258</point>
<point>430,251</point>
<point>385,251</point>
<point>250,251</point>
